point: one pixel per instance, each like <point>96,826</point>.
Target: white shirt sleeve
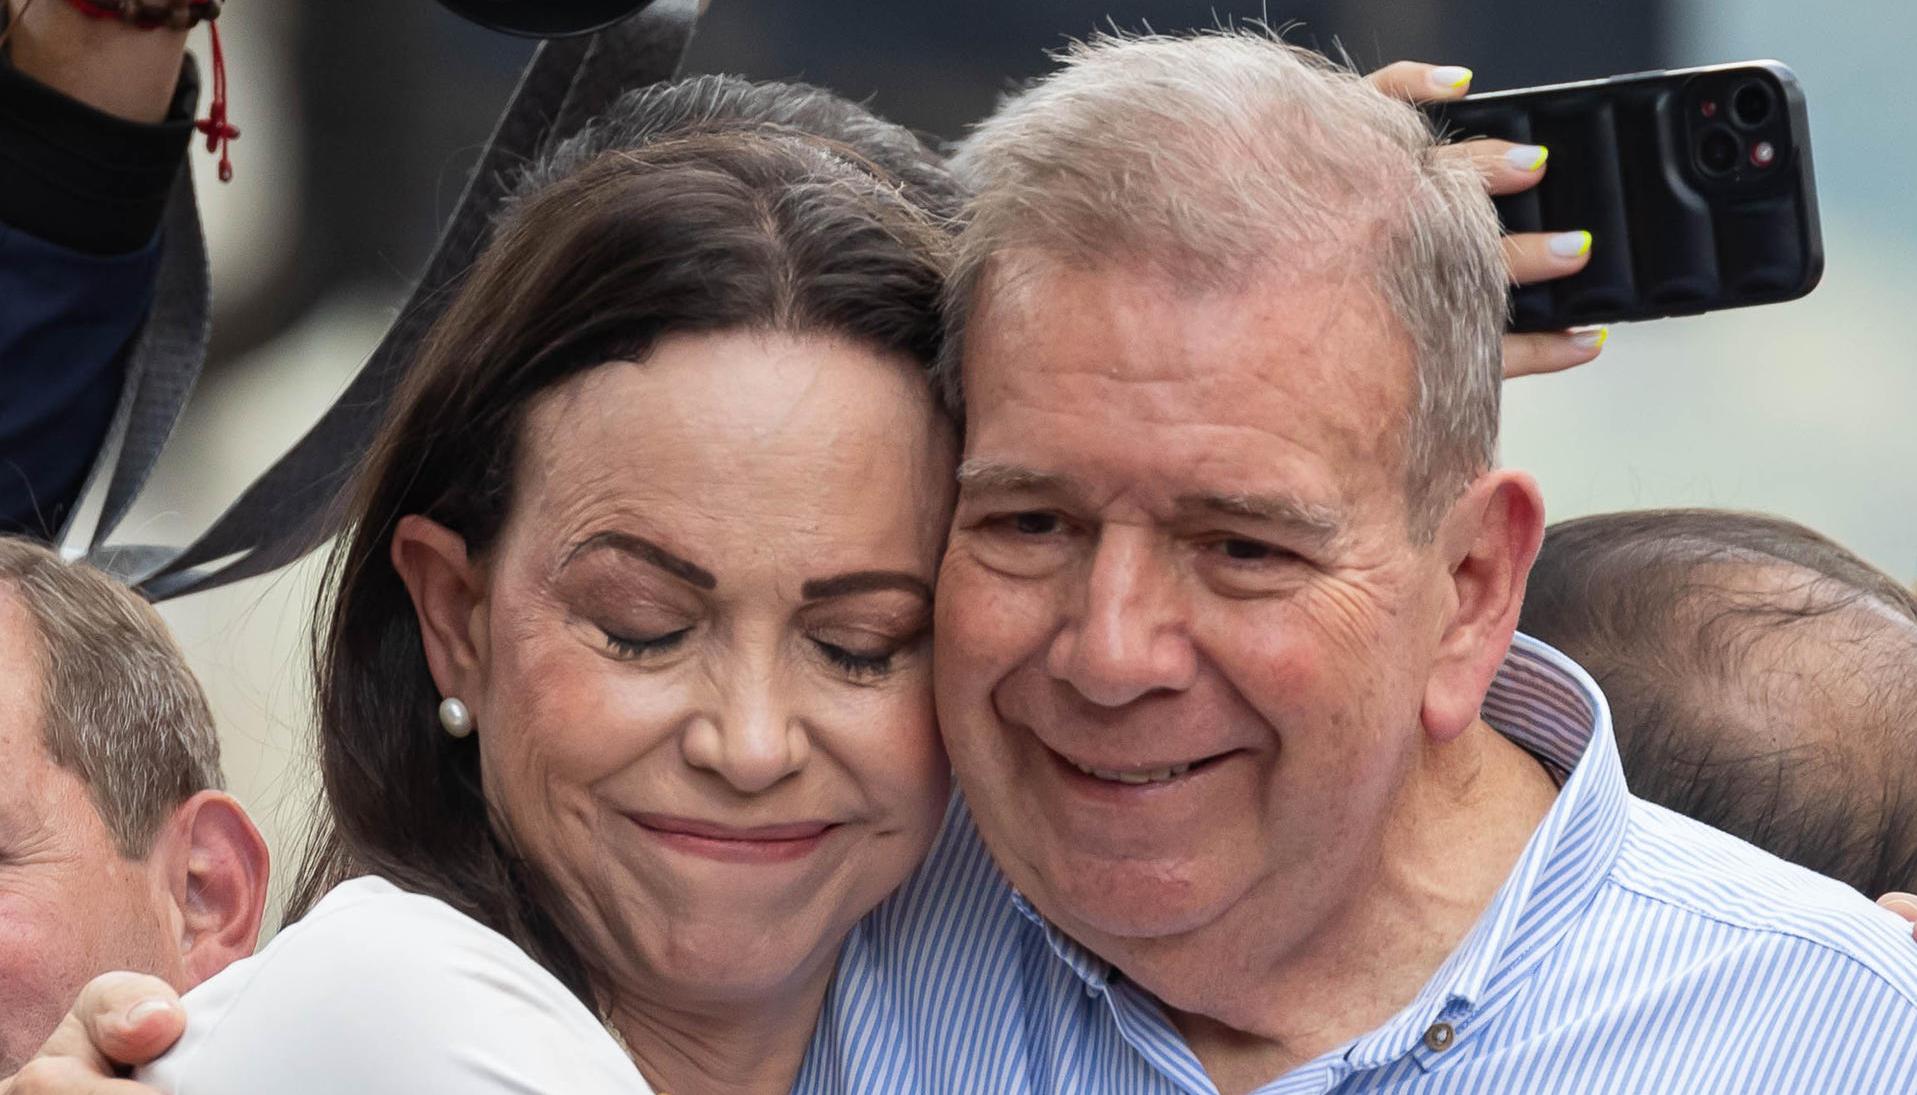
<point>382,992</point>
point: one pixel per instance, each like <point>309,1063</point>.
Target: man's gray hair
<point>120,707</point>
<point>1216,157</point>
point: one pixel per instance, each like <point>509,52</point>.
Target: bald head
<point>1762,678</point>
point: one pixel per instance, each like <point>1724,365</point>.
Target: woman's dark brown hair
<point>706,205</point>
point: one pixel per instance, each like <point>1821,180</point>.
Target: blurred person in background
<point>118,850</point>
<point>95,116</point>
<point>1762,678</point>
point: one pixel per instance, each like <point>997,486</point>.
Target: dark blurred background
<point>391,116</point>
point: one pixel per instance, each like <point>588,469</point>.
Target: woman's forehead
<point>799,437</point>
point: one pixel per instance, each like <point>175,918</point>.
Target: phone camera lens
<point>1751,105</point>
<point>1719,152</point>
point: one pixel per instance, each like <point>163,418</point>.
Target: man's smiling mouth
<point>1150,775</point>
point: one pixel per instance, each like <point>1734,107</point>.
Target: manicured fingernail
<point>1451,77</point>
<point>1591,338</point>
<point>1569,245</point>
<point>145,1009</point>
<point>1528,157</point>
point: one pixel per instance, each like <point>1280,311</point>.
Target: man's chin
<point>1131,901</point>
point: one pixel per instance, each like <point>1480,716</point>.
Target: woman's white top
<point>382,991</point>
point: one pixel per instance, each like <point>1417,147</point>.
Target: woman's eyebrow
<point>641,548</point>
<point>863,581</point>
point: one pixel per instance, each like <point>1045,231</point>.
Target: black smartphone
<point>1695,185</point>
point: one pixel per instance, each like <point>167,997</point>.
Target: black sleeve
<point>83,179</point>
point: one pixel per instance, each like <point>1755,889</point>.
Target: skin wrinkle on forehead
<point>1010,287</point>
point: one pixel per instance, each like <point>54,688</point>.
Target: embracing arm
<point>95,117</point>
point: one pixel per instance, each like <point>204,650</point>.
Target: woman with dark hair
<point>625,713</point>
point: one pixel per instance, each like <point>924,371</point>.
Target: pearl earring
<point>454,716</point>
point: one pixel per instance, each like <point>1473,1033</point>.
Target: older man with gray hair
<point>118,851</point>
<point>1226,660</point>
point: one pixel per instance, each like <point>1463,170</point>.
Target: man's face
<point>70,906</point>
<point>1182,631</point>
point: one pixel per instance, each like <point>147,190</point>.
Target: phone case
<point>1695,184</point>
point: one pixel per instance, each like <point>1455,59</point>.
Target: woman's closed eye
<point>864,655</point>
<point>633,647</point>
<point>854,663</point>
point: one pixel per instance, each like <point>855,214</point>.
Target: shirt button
<point>1438,1037</point>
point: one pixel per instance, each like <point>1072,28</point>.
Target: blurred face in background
<point>1183,630</point>
<point>71,906</point>
<point>699,655</point>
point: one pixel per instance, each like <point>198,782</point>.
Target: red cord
<point>220,133</point>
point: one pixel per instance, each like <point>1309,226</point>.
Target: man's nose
<point>753,738</point>
<point>1128,637</point>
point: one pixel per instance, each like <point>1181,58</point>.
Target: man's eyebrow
<point>642,548</point>
<point>990,475</point>
<point>864,581</point>
<point>1319,522</point>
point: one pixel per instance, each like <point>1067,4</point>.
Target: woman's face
<point>700,660</point>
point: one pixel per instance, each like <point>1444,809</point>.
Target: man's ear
<point>1488,543</point>
<point>217,869</point>
<point>447,591</point>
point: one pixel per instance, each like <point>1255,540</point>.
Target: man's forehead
<point>1281,381</point>
<point>1038,323</point>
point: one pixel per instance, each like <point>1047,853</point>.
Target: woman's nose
<point>752,740</point>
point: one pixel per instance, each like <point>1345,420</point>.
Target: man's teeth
<point>1156,775</point>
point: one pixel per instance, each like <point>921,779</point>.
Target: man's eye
<point>1032,523</point>
<point>629,647</point>
<point>1247,551</point>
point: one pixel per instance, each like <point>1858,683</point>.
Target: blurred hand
<point>1532,256</point>
<point>1904,905</point>
<point>120,1019</point>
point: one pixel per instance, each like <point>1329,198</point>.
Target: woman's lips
<point>734,844</point>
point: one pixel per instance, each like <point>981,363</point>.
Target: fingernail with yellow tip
<point>1451,77</point>
<point>1569,245</point>
<point>1591,338</point>
<point>1527,157</point>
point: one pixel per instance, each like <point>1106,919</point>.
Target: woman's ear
<point>1489,542</point>
<point>447,590</point>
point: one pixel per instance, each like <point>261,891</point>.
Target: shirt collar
<point>1546,703</point>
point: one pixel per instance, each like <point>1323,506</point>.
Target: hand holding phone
<point>1696,186</point>
<point>1533,257</point>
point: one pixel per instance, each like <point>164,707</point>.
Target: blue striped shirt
<point>1630,950</point>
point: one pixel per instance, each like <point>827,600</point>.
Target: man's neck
<point>1251,1014</point>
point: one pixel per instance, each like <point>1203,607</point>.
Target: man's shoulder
<point>1732,901</point>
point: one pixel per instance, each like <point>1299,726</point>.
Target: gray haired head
<point>1214,158</point>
